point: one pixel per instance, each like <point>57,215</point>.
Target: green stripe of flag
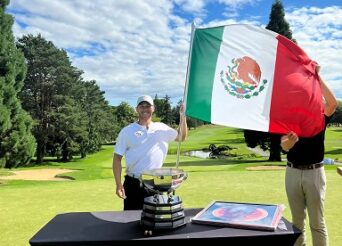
<point>205,49</point>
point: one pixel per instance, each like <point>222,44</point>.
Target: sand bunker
<point>38,174</point>
<point>260,168</point>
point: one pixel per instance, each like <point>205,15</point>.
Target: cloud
<point>141,47</point>
<point>318,32</point>
<point>196,6</point>
<point>128,47</point>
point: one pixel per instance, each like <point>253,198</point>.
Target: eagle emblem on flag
<point>242,79</point>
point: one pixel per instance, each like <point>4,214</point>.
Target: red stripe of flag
<point>296,103</point>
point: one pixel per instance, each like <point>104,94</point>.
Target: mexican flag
<point>248,77</point>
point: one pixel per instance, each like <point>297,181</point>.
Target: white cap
<point>145,98</point>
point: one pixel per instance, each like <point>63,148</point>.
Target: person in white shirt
<point>144,144</point>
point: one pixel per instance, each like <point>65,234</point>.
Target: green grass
<point>202,137</point>
<point>333,144</point>
<point>26,206</point>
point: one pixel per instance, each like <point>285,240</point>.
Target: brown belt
<point>305,167</point>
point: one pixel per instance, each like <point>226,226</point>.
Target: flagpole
<point>193,27</point>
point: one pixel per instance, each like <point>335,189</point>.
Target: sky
<point>137,47</point>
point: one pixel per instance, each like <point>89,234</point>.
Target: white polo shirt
<point>144,149</point>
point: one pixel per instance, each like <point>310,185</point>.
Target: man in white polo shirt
<point>144,144</point>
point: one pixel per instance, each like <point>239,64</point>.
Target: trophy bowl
<point>161,180</point>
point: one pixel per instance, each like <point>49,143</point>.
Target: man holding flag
<point>305,179</point>
<point>248,77</point>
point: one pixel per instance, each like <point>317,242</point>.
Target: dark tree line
<point>17,144</point>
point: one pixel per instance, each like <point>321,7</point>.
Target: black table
<point>117,228</point>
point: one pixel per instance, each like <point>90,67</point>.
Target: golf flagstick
<point>182,117</point>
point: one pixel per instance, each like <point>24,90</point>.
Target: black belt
<point>305,167</point>
<point>135,176</point>
<point>132,176</point>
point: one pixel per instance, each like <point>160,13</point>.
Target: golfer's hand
<point>120,192</point>
<point>288,141</point>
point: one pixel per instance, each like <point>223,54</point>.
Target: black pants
<point>135,194</point>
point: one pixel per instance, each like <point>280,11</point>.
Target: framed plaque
<point>241,215</point>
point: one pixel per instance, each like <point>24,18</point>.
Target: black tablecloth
<point>108,228</point>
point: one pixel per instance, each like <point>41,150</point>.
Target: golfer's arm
<point>330,102</point>
<point>117,169</point>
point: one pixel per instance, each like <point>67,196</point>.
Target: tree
<point>277,21</point>
<point>17,144</point>
<point>49,82</point>
<point>191,122</point>
<point>69,125</point>
<point>125,114</point>
<point>271,141</point>
<point>101,120</point>
<point>163,110</point>
<point>337,118</point>
<point>167,111</point>
<point>72,115</point>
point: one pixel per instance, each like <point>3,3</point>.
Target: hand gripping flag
<point>248,77</point>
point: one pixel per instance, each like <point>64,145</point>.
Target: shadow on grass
<point>65,177</point>
<point>334,152</point>
<point>52,162</point>
<point>48,164</point>
<point>337,130</point>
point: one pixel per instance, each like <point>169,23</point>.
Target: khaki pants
<point>305,191</point>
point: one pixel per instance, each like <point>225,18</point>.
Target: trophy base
<point>162,212</point>
<point>162,225</point>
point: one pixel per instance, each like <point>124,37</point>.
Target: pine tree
<point>163,109</point>
<point>47,95</point>
<point>17,144</point>
<point>277,22</point>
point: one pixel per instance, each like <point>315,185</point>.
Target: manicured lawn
<point>27,205</point>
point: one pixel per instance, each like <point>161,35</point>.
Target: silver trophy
<point>163,209</point>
